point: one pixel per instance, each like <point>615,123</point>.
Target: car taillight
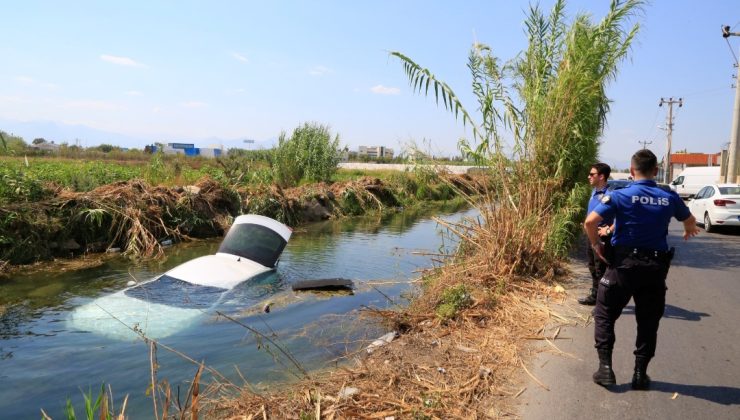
<point>722,203</point>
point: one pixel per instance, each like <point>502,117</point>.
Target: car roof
<point>267,222</point>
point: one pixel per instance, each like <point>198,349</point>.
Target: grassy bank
<point>136,217</point>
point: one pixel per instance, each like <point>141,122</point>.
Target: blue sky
<point>201,71</point>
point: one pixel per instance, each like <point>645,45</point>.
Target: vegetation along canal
<point>44,360</point>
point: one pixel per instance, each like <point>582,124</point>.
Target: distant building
<point>683,160</point>
<point>375,152</point>
<point>46,146</point>
<point>189,149</point>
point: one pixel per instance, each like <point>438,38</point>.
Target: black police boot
<point>640,379</point>
<point>605,375</point>
<point>589,299</point>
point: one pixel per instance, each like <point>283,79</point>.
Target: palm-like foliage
<point>541,116</point>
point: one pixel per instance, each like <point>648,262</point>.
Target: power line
<point>705,91</point>
<point>653,127</point>
<point>731,50</point>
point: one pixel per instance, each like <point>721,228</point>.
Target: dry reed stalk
<point>194,406</point>
<point>121,415</point>
<point>153,376</point>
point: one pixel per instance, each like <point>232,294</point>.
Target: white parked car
<point>717,205</point>
<point>176,299</point>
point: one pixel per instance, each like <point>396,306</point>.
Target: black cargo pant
<point>634,274</point>
<point>596,266</point>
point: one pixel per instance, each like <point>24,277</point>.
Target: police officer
<point>597,177</point>
<point>638,264</point>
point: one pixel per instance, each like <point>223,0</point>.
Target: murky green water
<point>43,360</point>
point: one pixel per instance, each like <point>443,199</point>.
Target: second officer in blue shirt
<point>597,177</point>
<point>638,264</point>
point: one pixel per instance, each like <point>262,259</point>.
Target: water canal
<point>44,360</point>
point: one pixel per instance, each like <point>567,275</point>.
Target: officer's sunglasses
<point>593,174</point>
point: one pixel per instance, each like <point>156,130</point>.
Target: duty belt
<point>644,252</point>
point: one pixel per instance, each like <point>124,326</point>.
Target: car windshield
<point>729,190</point>
<point>254,242</point>
<point>174,292</point>
<point>617,184</point>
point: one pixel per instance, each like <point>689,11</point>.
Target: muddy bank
<point>138,219</point>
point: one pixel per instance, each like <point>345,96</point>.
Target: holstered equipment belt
<point>643,253</point>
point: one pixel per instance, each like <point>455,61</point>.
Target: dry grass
<point>470,368</point>
<point>466,367</point>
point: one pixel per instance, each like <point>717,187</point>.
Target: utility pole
<point>732,161</point>
<point>669,136</point>
<point>645,143</point>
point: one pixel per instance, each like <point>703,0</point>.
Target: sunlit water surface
<point>44,360</point>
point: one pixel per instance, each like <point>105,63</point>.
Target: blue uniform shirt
<point>596,196</point>
<point>642,212</point>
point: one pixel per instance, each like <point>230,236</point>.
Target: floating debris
<point>323,284</point>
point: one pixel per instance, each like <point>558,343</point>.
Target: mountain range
<point>87,136</point>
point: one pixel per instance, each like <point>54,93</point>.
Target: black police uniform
<point>596,266</point>
<point>638,264</point>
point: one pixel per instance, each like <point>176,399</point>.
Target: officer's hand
<point>599,252</point>
<point>690,231</point>
<point>603,231</point>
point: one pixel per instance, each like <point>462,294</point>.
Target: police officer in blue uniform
<point>638,263</point>
<point>597,177</point>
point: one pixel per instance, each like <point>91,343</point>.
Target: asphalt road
<point>696,370</point>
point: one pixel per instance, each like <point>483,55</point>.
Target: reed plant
<point>540,118</point>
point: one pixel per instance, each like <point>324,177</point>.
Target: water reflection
<point>314,328</point>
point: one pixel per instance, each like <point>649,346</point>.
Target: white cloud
<point>30,81</point>
<point>121,61</point>
<point>134,93</point>
<point>194,104</point>
<point>240,57</point>
<point>384,90</point>
<point>93,105</point>
<point>320,71</point>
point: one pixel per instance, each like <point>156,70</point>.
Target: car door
<point>678,185</point>
<point>698,204</point>
<point>708,202</point>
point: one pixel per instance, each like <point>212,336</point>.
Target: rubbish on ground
<point>382,341</point>
<point>348,391</point>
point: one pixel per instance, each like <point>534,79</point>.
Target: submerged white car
<point>174,300</point>
<point>717,205</point>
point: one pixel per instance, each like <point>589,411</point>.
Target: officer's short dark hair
<point>644,161</point>
<point>602,169</point>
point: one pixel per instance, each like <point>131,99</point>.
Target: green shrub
<point>310,154</point>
